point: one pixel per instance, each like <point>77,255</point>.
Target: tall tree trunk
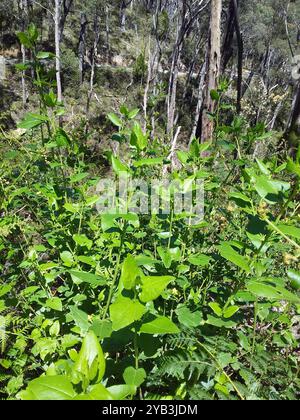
<point>57,17</point>
<point>67,4</point>
<point>24,7</point>
<point>227,49</point>
<point>240,45</point>
<point>172,92</point>
<point>81,45</point>
<point>214,58</point>
<point>107,31</point>
<point>199,99</point>
<point>93,62</point>
<point>292,133</point>
<point>173,79</point>
<point>123,7</point>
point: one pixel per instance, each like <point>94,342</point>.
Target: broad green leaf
<point>199,260</point>
<point>43,55</point>
<point>124,312</point>
<point>6,288</point>
<point>214,95</point>
<point>21,67</point>
<point>96,392</point>
<point>90,363</point>
<point>54,303</point>
<point>32,32</point>
<point>237,196</point>
<point>32,120</point>
<point>267,291</point>
<point>183,156</point>
<point>80,318</point>
<point>289,230</point>
<point>188,318</point>
<point>220,323</point>
<point>293,167</point>
<point>153,286</point>
<point>121,392</point>
<point>67,258</point>
<point>244,341</point>
<point>265,186</point>
<point>160,325</point>
<point>143,260</point>
<point>83,240</point>
<point>85,277</point>
<point>108,221</point>
<point>54,329</point>
<point>124,110</point>
<point>233,256</point>
<point>195,148</point>
<point>129,273</point>
<point>44,346</point>
<point>132,114</point>
<point>134,376</point>
<point>24,39</point>
<point>229,312</point>
<point>72,207</point>
<point>61,137</point>
<point>294,276</point>
<point>132,219</point>
<point>216,308</point>
<point>102,328</point>
<point>148,162</point>
<point>87,260</point>
<point>115,120</point>
<point>263,168</point>
<point>165,256</point>
<point>49,388</point>
<point>118,166</point>
<point>138,139</point>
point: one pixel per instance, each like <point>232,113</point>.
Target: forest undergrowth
<point>103,306</point>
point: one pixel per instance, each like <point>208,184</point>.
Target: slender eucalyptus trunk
<point>81,45</point>
<point>173,79</point>
<point>107,32</point>
<point>240,44</point>
<point>57,17</point>
<point>199,99</point>
<point>292,133</point>
<point>93,62</point>
<point>123,7</point>
<point>24,7</point>
<point>213,72</point>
